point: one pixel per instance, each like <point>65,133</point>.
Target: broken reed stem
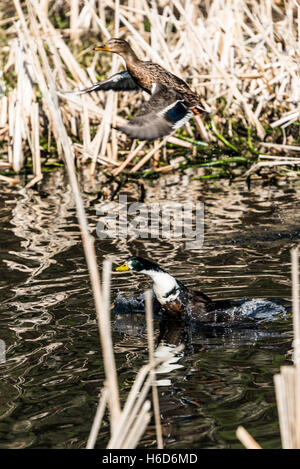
<point>35,139</point>
<point>295,299</point>
<point>287,382</point>
<point>35,146</point>
<point>101,301</point>
<point>36,156</point>
<point>126,426</point>
<point>147,157</point>
<point>135,399</point>
<point>150,336</point>
<point>89,250</point>
<point>129,158</point>
<point>74,11</point>
<point>138,428</point>
<point>87,239</point>
<point>108,350</point>
<point>281,400</point>
<point>296,343</point>
<point>9,179</point>
<point>246,439</point>
<point>98,419</point>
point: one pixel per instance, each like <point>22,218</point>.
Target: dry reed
<point>244,54</point>
<point>246,438</point>
<point>287,382</point>
<point>155,399</point>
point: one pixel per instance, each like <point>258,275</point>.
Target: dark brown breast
<point>189,304</point>
<point>196,305</point>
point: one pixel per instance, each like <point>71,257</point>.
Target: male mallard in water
<point>172,102</point>
<point>177,301</point>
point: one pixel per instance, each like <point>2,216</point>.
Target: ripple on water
<point>50,382</point>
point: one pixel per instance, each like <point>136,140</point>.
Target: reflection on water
<point>53,372</point>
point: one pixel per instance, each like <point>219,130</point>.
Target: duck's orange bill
<point>105,47</point>
<point>122,267</point>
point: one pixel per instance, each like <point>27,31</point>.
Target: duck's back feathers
<point>162,114</point>
<point>146,73</point>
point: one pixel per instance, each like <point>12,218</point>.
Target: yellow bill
<point>105,47</point>
<point>122,267</point>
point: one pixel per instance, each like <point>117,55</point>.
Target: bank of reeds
<point>241,56</point>
<point>287,382</point>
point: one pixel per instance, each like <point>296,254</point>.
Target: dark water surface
<point>53,371</point>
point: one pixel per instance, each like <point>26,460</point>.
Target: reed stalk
<point>287,382</point>
<point>246,438</point>
<point>87,240</point>
<point>296,343</point>
<point>155,398</point>
<point>98,419</point>
<point>135,401</point>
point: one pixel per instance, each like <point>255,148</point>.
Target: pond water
<point>53,371</point>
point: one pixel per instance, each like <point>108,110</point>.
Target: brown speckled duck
<point>172,102</point>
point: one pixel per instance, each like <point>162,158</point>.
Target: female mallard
<point>172,102</point>
<point>178,301</point>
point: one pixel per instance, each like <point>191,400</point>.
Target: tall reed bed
<point>241,56</point>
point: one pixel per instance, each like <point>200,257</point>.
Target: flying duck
<point>172,102</point>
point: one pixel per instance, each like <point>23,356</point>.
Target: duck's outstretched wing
<point>162,114</point>
<point>121,81</point>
